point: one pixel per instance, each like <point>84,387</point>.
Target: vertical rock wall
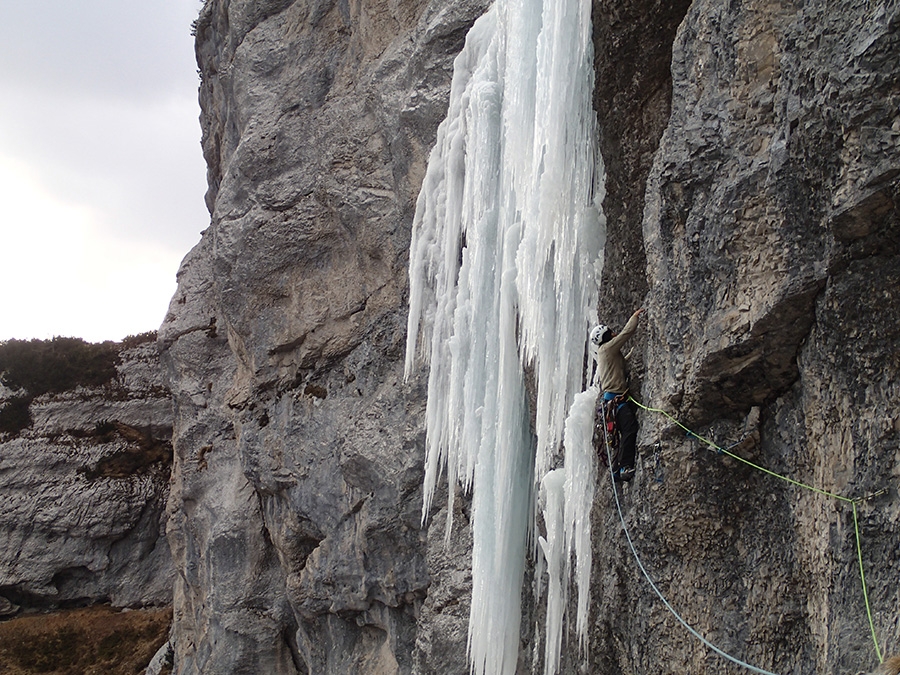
<point>295,512</point>
<point>84,489</point>
<point>632,97</point>
<point>770,232</point>
<point>752,156</point>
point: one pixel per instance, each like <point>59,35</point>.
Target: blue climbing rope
<point>796,483</point>
<point>656,590</point>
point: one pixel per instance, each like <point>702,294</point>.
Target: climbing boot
<point>625,474</point>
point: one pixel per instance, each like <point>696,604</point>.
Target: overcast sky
<point>101,172</point>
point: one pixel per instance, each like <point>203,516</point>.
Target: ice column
<point>504,265</point>
<point>556,553</point>
<point>581,477</point>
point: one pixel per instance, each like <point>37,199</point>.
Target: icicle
<point>555,550</point>
<point>581,477</point>
<point>504,263</point>
<point>567,496</point>
<point>438,302</point>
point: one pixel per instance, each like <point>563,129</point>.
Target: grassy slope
<point>86,641</point>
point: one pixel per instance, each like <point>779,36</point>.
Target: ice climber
<point>612,377</point>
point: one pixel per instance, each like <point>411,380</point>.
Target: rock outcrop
<point>770,231</point>
<point>752,153</point>
<point>295,510</point>
<point>82,519</point>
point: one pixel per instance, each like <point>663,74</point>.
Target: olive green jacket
<point>610,362</point>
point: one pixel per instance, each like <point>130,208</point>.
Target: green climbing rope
<point>862,578</point>
<point>659,593</point>
<point>852,502</point>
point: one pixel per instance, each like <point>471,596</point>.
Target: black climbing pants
<point>626,422</point>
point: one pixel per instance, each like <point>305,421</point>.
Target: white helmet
<point>597,334</point>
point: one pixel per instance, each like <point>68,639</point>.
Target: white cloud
<point>60,278</point>
<point>140,164</point>
<point>101,173</point>
<point>116,48</point>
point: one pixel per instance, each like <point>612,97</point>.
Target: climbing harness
<point>726,451</point>
<point>610,404</point>
<point>611,431</point>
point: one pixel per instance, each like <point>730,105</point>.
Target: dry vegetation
<point>35,367</point>
<point>86,641</point>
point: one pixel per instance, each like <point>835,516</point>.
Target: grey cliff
<point>295,508</point>
<point>770,243</point>
<point>82,519</point>
<point>753,163</point>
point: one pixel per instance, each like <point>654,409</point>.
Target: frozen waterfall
<point>504,265</point>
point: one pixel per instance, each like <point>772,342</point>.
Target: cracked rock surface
<point>752,152</point>
<point>82,517</point>
<point>296,503</point>
<point>770,235</point>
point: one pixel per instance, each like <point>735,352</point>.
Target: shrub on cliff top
<point>132,341</point>
<point>57,365</point>
<point>35,367</point>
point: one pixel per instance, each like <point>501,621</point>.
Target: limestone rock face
<point>753,161</point>
<point>82,518</point>
<point>770,232</point>
<point>296,502</point>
